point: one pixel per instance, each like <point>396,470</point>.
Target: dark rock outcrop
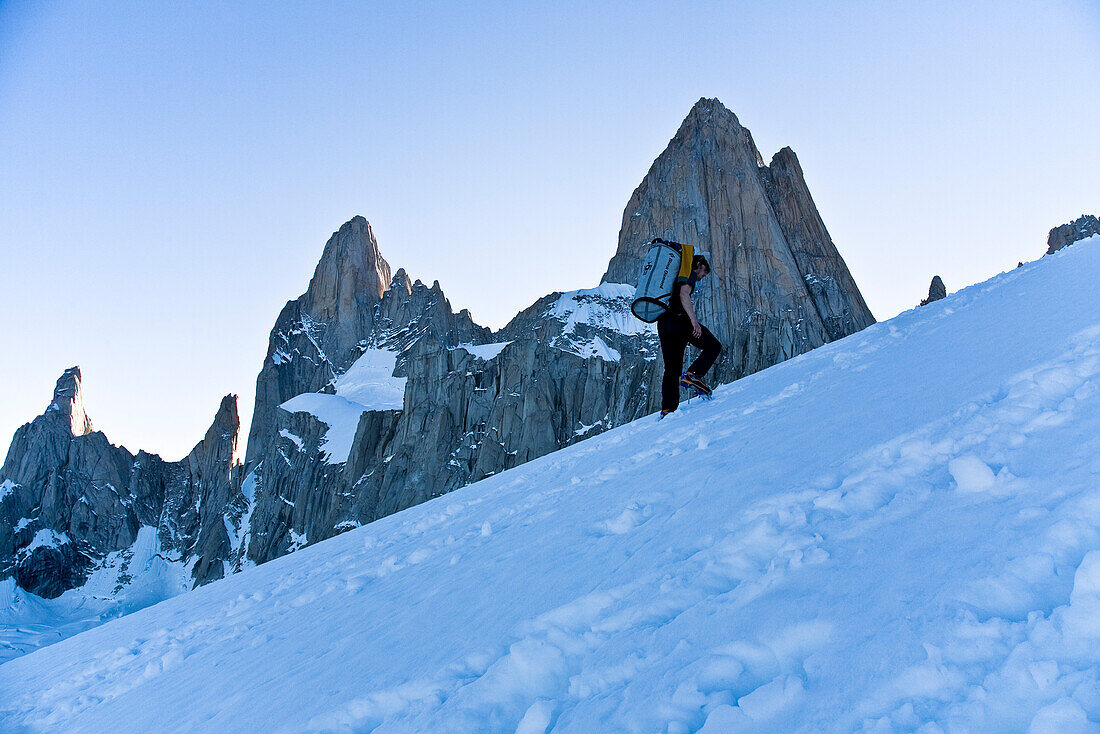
<point>936,291</point>
<point>1084,226</point>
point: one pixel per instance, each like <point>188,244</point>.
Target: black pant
<point>675,334</point>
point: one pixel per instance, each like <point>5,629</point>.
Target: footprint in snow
<point>630,518</point>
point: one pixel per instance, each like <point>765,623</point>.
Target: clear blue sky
<point>169,172</point>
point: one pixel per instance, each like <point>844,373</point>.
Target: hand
<point>696,329</point>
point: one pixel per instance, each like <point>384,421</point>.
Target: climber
<point>678,327</point>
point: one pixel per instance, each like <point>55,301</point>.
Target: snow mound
<point>370,381</point>
<point>899,531</point>
<point>591,316</point>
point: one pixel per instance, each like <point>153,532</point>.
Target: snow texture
<point>896,532</point>
<point>45,539</point>
<point>296,440</point>
<point>606,306</point>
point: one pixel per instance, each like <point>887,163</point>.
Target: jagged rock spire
<point>67,406</point>
<point>351,276</point>
<point>936,291</point>
<point>315,336</point>
<point>221,437</point>
<point>62,477</point>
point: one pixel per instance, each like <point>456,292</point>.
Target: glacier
<point>897,531</point>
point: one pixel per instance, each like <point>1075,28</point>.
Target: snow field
<point>896,532</point>
<point>368,384</point>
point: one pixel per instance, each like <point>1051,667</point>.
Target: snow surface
<point>296,440</point>
<point>45,539</point>
<point>370,381</point>
<point>599,348</point>
<point>339,414</point>
<point>899,531</point>
<point>606,306</point>
<point>6,488</point>
<point>368,384</point>
<point>484,351</point>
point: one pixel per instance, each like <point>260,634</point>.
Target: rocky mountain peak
<point>226,426</point>
<point>67,406</point>
<point>708,110</point>
<point>936,291</point>
<point>401,280</point>
<point>350,271</point>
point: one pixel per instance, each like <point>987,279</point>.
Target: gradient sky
<point>170,172</point>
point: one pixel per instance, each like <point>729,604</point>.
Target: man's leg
<point>672,350</point>
<point>711,349</point>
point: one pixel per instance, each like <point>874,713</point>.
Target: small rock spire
<point>68,403</point>
<point>936,291</point>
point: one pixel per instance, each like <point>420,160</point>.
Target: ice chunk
<point>971,474</point>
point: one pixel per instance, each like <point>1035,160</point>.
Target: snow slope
<point>899,531</point>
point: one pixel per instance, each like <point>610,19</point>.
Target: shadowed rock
<point>1084,226</point>
<point>936,291</point>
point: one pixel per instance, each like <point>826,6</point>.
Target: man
<point>678,327</point>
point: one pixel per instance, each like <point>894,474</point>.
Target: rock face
<point>374,395</point>
<point>1084,226</point>
<point>568,367</point>
<point>778,285</point>
<point>936,291</point>
<point>68,497</point>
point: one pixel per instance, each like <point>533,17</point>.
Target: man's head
<point>700,266</point>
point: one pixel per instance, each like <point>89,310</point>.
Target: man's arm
<point>685,298</point>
